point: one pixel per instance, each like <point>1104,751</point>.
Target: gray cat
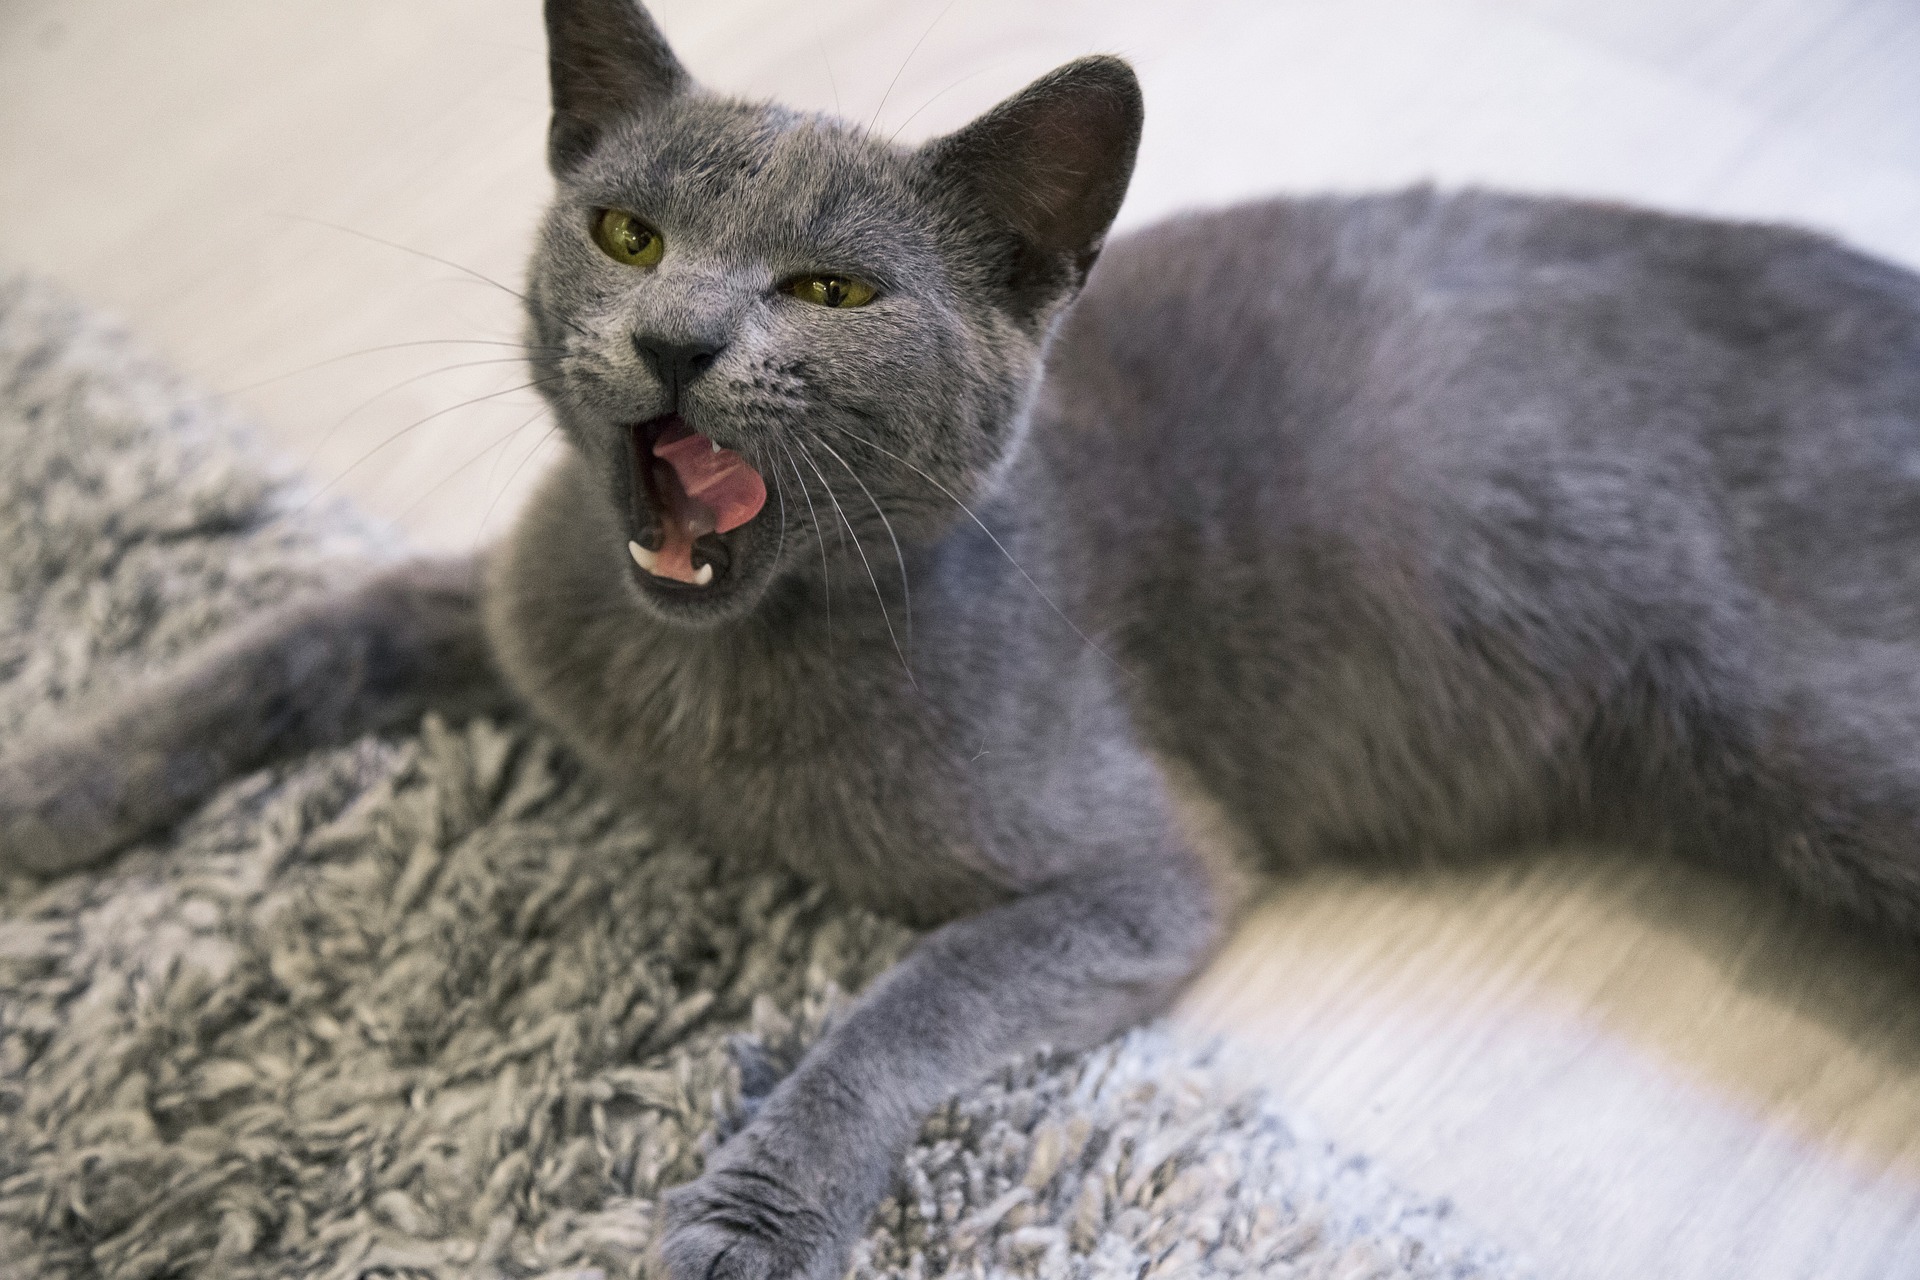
<point>1042,603</point>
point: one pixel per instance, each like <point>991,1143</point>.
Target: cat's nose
<point>676,362</point>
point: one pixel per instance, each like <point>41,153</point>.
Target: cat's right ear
<point>607,61</point>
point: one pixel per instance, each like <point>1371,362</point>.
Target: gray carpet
<point>430,1006</point>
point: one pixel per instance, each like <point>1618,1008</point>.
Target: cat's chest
<point>842,781</point>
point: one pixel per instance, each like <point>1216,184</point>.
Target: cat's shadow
<point>1780,1010</point>
<point>1860,983</point>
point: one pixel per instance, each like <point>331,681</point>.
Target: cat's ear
<point>1051,165</point>
<point>606,60</point>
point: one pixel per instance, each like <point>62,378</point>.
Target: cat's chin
<point>725,597</point>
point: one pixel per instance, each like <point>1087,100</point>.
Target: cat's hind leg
<point>1837,776</point>
<point>309,674</point>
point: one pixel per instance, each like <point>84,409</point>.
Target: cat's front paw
<point>743,1219</point>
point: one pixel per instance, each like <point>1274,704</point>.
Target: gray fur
<point>1387,527</point>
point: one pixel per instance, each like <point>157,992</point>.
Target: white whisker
<point>1061,613</point>
<point>878,594</point>
<point>447,479</point>
<point>419,422</point>
<point>348,416</point>
<point>515,474</point>
<point>906,592</point>
<point>819,535</point>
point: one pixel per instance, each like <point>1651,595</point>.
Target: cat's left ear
<point>1051,165</point>
<point>607,61</point>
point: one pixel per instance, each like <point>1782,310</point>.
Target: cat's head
<point>758,324</point>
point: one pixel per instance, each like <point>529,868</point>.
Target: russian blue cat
<point>1043,602</point>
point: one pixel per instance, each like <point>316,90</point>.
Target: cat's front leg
<point>1069,966</point>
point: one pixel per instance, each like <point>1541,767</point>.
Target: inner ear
<point>606,60</point>
<point>1052,162</point>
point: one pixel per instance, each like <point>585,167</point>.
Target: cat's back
<point>1400,372</point>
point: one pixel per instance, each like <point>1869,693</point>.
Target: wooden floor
<point>1621,1071</point>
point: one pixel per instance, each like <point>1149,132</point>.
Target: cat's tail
<point>313,673</point>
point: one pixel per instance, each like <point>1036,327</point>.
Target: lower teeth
<point>650,561</point>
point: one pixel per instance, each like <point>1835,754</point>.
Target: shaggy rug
<point>430,1006</point>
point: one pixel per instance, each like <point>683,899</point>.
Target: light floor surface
<point>1620,1070</point>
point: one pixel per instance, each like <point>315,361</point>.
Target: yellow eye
<point>831,291</point>
<point>627,239</point>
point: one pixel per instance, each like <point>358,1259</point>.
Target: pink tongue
<point>718,491</point>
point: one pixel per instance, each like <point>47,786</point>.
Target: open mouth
<point>687,493</point>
